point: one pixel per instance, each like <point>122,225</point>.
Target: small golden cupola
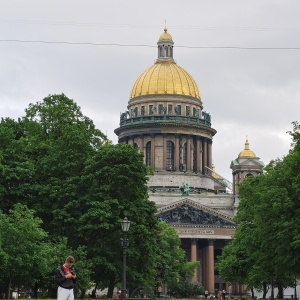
<point>214,174</point>
<point>247,152</point>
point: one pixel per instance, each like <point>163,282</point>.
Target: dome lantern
<point>165,46</point>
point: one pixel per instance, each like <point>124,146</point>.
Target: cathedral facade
<point>165,120</point>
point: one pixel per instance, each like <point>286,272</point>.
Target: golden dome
<point>165,77</point>
<point>247,152</point>
<point>165,36</point>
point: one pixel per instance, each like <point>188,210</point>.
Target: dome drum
<point>165,99</point>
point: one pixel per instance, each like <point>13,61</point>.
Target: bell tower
<point>245,165</point>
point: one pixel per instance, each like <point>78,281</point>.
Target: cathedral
<point>165,120</point>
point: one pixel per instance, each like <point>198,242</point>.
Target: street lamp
<point>124,242</point>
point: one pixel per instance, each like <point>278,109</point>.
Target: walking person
<point>65,277</point>
<point>220,295</point>
<point>223,294</point>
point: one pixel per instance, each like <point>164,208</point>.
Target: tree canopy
<point>265,249</point>
<point>61,177</point>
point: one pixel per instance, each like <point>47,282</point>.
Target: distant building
<point>165,120</point>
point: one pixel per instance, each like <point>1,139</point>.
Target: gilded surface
<point>165,37</point>
<point>247,152</point>
<point>165,78</point>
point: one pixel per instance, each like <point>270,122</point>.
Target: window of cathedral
<point>170,156</point>
<point>148,154</point>
<point>178,110</point>
<point>248,175</point>
<point>170,109</point>
<point>150,110</point>
<point>187,111</point>
<point>184,153</point>
<point>135,146</point>
<point>160,109</point>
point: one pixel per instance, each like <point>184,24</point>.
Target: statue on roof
<point>185,189</point>
<point>206,116</point>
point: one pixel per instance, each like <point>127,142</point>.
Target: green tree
<point>22,241</point>
<point>172,266</point>
<point>55,255</point>
<point>60,142</point>
<point>16,170</point>
<point>268,232</point>
<point>114,186</point>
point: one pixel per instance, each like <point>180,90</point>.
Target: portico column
<point>188,154</point>
<point>210,267</point>
<point>204,273</point>
<point>228,288</point>
<point>194,258</point>
<point>176,152</point>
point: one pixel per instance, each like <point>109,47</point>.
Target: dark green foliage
<point>114,186</point>
<point>266,246</point>
<point>186,289</point>
<point>172,266</point>
<point>56,164</point>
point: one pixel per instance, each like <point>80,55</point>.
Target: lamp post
<point>124,242</point>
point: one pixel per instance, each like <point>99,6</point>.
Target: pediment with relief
<point>188,212</point>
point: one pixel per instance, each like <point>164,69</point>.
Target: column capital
<point>194,241</point>
<point>210,242</point>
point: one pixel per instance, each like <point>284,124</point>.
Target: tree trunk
<point>35,291</point>
<point>272,289</point>
<point>111,287</point>
<point>8,289</point>
<point>265,290</point>
<point>280,291</point>
<point>82,295</point>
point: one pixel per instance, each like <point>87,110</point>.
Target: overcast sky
<point>239,53</point>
